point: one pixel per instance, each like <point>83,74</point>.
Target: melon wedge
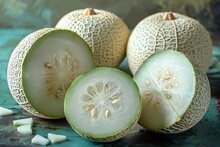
<point>42,67</point>
<point>25,129</point>
<point>175,95</point>
<point>24,121</point>
<point>5,111</point>
<point>38,139</point>
<point>55,138</point>
<point>103,104</point>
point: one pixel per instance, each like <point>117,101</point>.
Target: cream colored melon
<point>105,33</point>
<point>175,95</point>
<point>174,31</point>
<point>42,67</point>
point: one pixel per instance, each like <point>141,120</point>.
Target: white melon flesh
<point>103,105</point>
<point>42,67</point>
<point>24,121</point>
<point>55,138</point>
<point>25,129</point>
<point>175,95</point>
<point>5,111</point>
<point>38,139</point>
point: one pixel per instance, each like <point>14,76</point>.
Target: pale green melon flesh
<point>49,68</point>
<point>167,84</point>
<point>103,104</point>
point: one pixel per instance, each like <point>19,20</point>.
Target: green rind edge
<point>119,134</point>
<point>195,110</point>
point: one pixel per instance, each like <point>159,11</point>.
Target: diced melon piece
<point>5,111</point>
<point>54,138</point>
<point>25,129</point>
<point>25,121</point>
<point>38,139</point>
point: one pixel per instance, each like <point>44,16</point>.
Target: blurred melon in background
<point>46,13</point>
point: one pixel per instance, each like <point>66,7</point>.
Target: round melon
<point>105,33</point>
<point>103,105</point>
<point>174,31</point>
<point>42,67</point>
<point>175,94</point>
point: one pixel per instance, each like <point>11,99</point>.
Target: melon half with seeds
<point>162,31</point>
<point>103,104</point>
<point>105,33</point>
<point>175,95</point>
<point>42,67</point>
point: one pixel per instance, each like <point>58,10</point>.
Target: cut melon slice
<point>24,121</point>
<point>175,95</point>
<point>38,139</point>
<point>42,67</point>
<point>103,105</point>
<point>5,111</point>
<point>54,138</point>
<point>25,129</point>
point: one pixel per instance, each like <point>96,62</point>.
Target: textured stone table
<point>205,133</point>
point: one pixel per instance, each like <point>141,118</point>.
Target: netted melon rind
<point>116,136</point>
<point>14,73</point>
<point>183,34</point>
<point>105,33</point>
<point>196,109</point>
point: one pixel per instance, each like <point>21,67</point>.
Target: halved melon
<point>42,67</point>
<point>103,104</point>
<point>175,95</point>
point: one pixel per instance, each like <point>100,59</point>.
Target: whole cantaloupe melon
<point>105,33</point>
<point>174,31</point>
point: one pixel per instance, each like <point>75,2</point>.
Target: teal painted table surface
<point>205,133</point>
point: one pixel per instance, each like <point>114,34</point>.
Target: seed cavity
<point>48,65</point>
<point>115,96</point>
<point>102,100</point>
<point>107,113</point>
<point>157,106</point>
<point>59,94</point>
<point>165,82</point>
<point>88,108</point>
<point>61,70</point>
<point>91,91</point>
<point>94,113</point>
<point>147,98</point>
<point>171,85</point>
<point>115,101</point>
<point>168,96</point>
<point>86,98</point>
